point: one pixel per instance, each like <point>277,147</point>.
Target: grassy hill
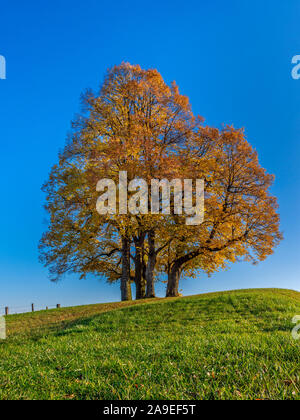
<point>221,345</point>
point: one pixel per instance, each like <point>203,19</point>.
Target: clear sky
<point>232,58</point>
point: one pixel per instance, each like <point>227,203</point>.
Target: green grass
<point>230,345</point>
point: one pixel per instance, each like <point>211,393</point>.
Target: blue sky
<point>233,59</point>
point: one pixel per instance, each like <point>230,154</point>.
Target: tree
<point>241,219</point>
<point>135,124</point>
<point>140,126</point>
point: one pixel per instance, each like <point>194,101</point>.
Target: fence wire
<point>15,310</point>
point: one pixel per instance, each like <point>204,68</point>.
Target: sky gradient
<point>233,60</point>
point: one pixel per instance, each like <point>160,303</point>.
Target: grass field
<point>230,345</point>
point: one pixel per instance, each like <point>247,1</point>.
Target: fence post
<point>32,307</point>
<point>58,305</point>
<point>46,308</point>
<point>6,310</point>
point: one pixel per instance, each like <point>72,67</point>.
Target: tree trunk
<point>175,272</point>
<point>151,265</point>
<point>173,281</point>
<point>140,282</point>
<point>125,278</point>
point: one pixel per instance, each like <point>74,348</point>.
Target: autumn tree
<point>241,219</point>
<point>136,123</point>
<point>140,125</point>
